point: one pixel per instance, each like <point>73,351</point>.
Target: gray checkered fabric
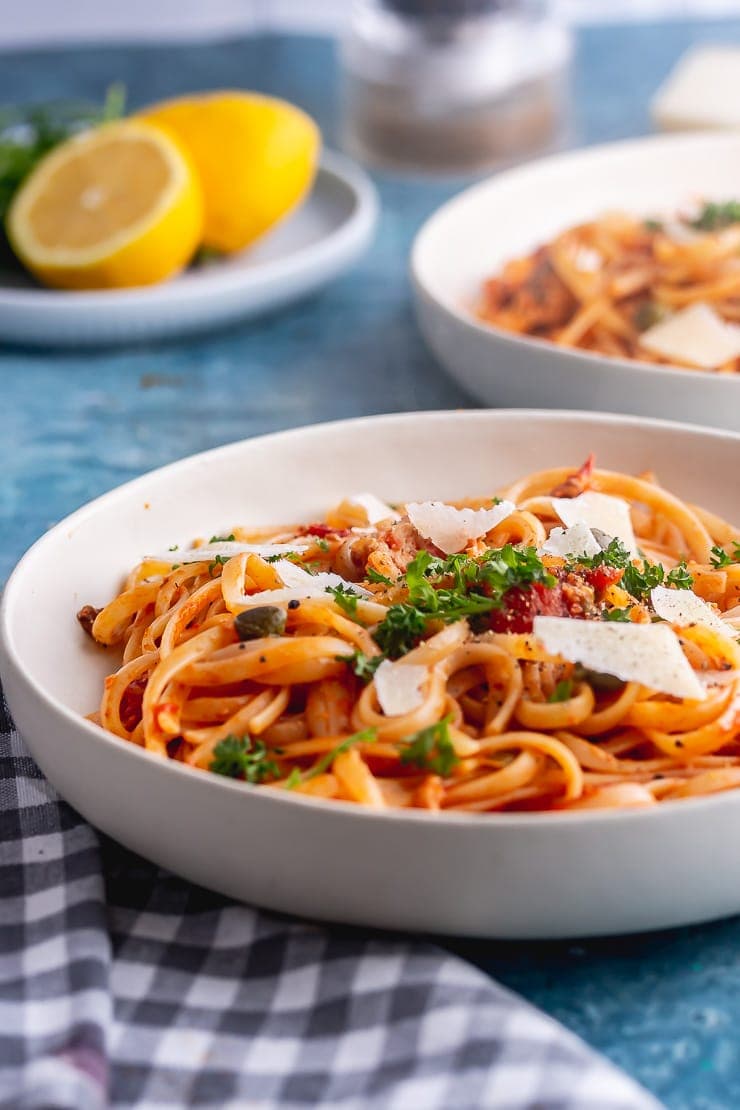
<point>123,986</point>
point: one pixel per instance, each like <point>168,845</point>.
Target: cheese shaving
<point>598,510</point>
<point>375,509</point>
<point>646,653</point>
<point>684,608</point>
<point>695,335</point>
<point>398,686</point>
<point>571,542</point>
<point>451,529</point>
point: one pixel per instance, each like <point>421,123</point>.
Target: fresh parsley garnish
<point>455,587</point>
<point>563,690</point>
<point>217,562</point>
<point>639,581</point>
<point>366,736</point>
<point>345,597</point>
<point>617,614</point>
<point>240,757</point>
<point>174,547</point>
<point>374,576</point>
<point>222,539</point>
<point>293,556</point>
<point>322,544</point>
<point>431,749</point>
<point>714,216</point>
<point>364,666</point>
<point>615,554</point>
<point>722,558</point>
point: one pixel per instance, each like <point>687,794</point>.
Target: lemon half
<point>120,205</point>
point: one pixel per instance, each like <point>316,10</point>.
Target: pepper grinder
<point>452,86</point>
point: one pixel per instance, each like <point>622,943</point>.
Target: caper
<point>597,680</point>
<point>263,620</point>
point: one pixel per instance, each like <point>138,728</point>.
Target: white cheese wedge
<point>451,529</point>
<point>696,335</point>
<point>227,550</point>
<point>598,510</point>
<point>399,687</point>
<point>374,508</point>
<point>684,608</point>
<point>700,91</point>
<point>646,653</point>
<point>571,542</point>
<point>299,584</point>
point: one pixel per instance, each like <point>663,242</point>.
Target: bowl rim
<point>10,656</point>
<point>584,359</point>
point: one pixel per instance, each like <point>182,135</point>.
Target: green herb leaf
<point>217,562</point>
<point>366,736</point>
<point>431,749</point>
<point>616,614</point>
<point>238,757</point>
<point>222,539</point>
<point>714,216</point>
<point>679,577</point>
<point>345,597</point>
<point>364,666</point>
<point>373,576</point>
<point>720,557</point>
<point>400,630</point>
<point>563,690</point>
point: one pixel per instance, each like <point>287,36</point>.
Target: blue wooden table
<point>664,1006</point>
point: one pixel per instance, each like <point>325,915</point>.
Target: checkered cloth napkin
<point>121,985</point>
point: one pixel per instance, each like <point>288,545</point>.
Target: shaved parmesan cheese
<point>375,509</point>
<point>573,541</point>
<point>646,653</point>
<point>588,260</point>
<point>227,550</point>
<point>598,510</point>
<point>398,686</point>
<point>696,335</point>
<point>684,608</point>
<point>451,529</point>
<point>299,584</point>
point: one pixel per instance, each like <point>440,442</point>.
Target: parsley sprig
<point>364,666</point>
<point>366,736</point>
<point>722,558</point>
<point>639,581</point>
<point>431,749</point>
<point>714,216</point>
<point>240,757</point>
<point>449,589</point>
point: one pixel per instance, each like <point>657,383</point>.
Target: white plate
<point>506,875</point>
<point>472,236</point>
<point>324,236</point>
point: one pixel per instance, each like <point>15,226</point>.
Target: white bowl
<point>322,238</point>
<point>505,875</point>
<point>472,236</point>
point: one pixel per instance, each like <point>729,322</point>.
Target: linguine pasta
<point>364,662</point>
<point>605,285</point>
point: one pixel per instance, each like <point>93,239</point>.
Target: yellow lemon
<point>256,158</point>
<point>115,206</point>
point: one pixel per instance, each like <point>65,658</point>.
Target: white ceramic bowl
<point>506,875</point>
<point>472,236</point>
<point>317,242</point>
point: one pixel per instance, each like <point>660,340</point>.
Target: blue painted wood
<point>664,1006</point>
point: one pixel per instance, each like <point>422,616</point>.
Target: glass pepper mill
<point>452,86</point>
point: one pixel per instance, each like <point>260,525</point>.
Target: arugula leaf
<point>366,736</point>
<point>364,666</point>
<point>345,597</point>
<point>563,690</point>
<point>238,757</point>
<point>431,749</point>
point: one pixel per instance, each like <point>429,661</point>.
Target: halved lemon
<point>116,206</point>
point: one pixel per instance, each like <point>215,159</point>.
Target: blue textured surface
<point>666,1006</point>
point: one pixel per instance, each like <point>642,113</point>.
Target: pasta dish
<point>660,291</point>
<point>569,643</point>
